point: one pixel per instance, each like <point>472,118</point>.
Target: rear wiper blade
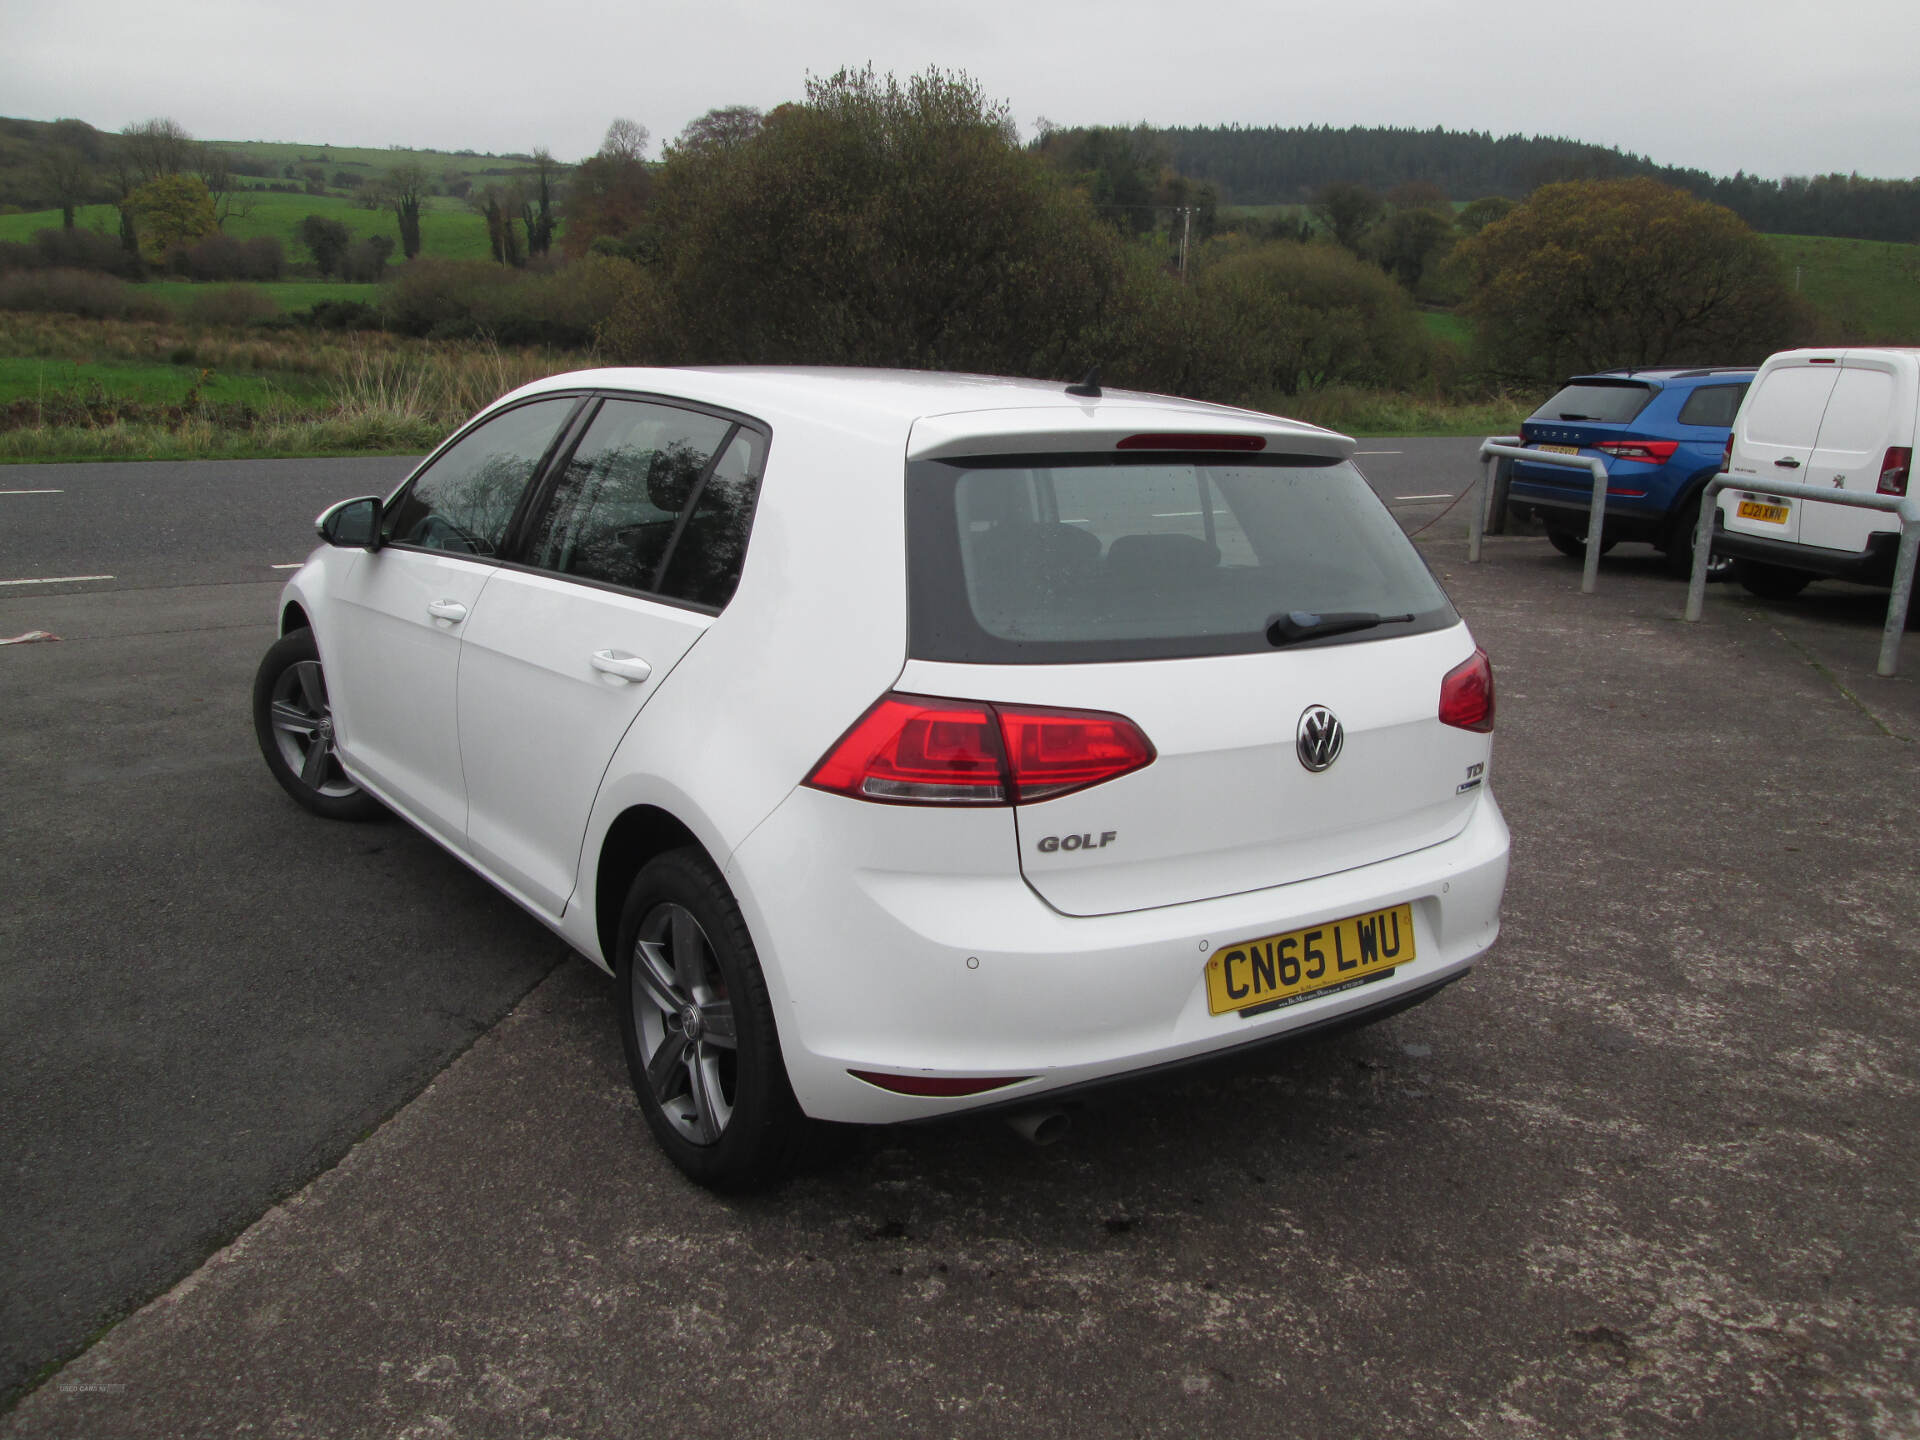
<point>1298,625</point>
<point>1568,415</point>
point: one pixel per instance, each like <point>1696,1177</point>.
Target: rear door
<point>1856,432</point>
<point>635,546</point>
<point>1773,441</point>
<point>1152,589</point>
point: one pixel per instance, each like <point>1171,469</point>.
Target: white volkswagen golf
<point>908,743</point>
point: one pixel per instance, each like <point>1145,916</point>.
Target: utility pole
<point>1186,238</point>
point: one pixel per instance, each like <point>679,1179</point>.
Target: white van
<point>1839,418</point>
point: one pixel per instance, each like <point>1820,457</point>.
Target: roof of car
<point>1665,374</point>
<point>897,397</point>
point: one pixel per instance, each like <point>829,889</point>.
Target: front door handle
<point>449,610</point>
<point>620,666</point>
<point>1788,464</point>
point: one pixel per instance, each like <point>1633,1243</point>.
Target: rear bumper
<point>1566,500</point>
<point>1871,566</point>
<point>875,966</point>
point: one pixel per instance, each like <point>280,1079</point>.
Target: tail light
<point>1642,452</point>
<point>917,750</point>
<point>1726,455</point>
<point>1893,470</point>
<point>1466,694</point>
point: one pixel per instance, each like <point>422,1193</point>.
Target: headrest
<point>1171,556</point>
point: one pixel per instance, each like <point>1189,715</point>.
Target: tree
<point>1483,212</point>
<point>1120,169</point>
<point>402,189</point>
<point>157,147</point>
<point>1348,210</point>
<point>66,178</point>
<point>625,140</point>
<point>1596,273</point>
<point>609,194</point>
<point>327,239</point>
<point>1408,241</point>
<point>879,223</point>
<point>719,129</point>
<point>537,209</point>
<point>174,211</point>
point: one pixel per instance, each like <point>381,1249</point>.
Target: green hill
<point>1866,291</point>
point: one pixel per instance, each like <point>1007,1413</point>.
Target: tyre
<point>1680,543</point>
<point>1573,546</point>
<point>293,722</point>
<point>1770,582</point>
<point>697,1025</point>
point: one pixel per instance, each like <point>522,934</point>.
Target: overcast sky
<point>1772,87</point>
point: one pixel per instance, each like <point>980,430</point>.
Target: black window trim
<point>540,494</point>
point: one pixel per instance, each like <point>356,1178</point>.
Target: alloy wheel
<point>683,1017</point>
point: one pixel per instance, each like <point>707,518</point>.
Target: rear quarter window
<point>1064,558</point>
<point>1713,405</point>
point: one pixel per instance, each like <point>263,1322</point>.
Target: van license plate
<point>1560,449</point>
<point>1281,969</point>
<point>1754,510</point>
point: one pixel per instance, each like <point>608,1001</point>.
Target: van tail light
<point>1643,452</point>
<point>1894,470</point>
<point>918,750</point>
<point>1726,456</point>
<point>1466,694</point>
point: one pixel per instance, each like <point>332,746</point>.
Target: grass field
<point>149,383</point>
<point>1445,325</point>
<point>369,160</point>
<point>448,229</point>
<point>289,295</point>
<point>1866,291</point>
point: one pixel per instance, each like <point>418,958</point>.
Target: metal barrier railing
<point>1508,447</point>
<point>1907,507</point>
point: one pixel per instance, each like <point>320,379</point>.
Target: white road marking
<point>1445,495</point>
<point>57,580</point>
<point>294,566</point>
<point>32,492</point>
<point>1177,514</point>
<point>1379,452</point>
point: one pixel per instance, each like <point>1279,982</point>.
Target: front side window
<point>464,501</point>
<point>1104,557</point>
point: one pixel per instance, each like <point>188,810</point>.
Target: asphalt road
<point>206,995</point>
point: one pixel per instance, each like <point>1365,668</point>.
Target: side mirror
<point>351,524</point>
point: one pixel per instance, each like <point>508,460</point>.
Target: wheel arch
<point>637,835</point>
<point>293,616</point>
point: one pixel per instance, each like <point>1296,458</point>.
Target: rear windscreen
<point>1060,558</point>
<point>1586,400</point>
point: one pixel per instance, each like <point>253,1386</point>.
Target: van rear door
<point>1864,419</point>
<point>1773,439</point>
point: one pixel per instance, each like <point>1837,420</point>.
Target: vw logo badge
<point>1318,738</point>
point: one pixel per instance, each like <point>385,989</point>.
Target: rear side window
<point>653,498</point>
<point>1786,410</point>
<point>1589,400</point>
<point>1712,405</point>
<point>1063,558</point>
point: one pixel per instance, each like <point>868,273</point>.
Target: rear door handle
<point>451,610</point>
<point>621,666</point>
<point>1788,464</point>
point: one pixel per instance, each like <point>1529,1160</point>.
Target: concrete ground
<point>1649,1171</point>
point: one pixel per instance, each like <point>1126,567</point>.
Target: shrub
<point>54,249</point>
<point>366,260</point>
<point>234,306</point>
<point>85,293</point>
<point>220,257</point>
<point>342,315</point>
<point>540,305</point>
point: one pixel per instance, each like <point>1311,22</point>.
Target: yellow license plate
<point>1560,449</point>
<point>1281,969</point>
<point>1754,510</point>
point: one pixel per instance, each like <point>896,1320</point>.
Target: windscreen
<point>1045,559</point>
<point>1587,400</point>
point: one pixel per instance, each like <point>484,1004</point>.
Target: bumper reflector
<point>937,1085</point>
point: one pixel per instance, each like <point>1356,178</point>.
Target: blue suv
<point>1662,434</point>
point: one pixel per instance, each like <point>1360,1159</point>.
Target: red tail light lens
<point>1183,441</point>
<point>917,750</point>
<point>1894,469</point>
<point>1642,452</point>
<point>1466,694</point>
<point>1726,456</point>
